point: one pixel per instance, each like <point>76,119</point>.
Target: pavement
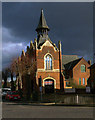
<point>49,104</point>
<point>44,110</point>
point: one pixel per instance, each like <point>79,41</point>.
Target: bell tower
<point>42,28</point>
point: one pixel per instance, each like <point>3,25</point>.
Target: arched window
<point>83,69</point>
<point>48,62</point>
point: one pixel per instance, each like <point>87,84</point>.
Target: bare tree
<point>5,75</point>
<point>12,73</point>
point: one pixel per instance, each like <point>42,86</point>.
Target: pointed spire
<point>31,45</point>
<point>23,53</point>
<point>42,22</point>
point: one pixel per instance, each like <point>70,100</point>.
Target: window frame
<point>48,62</point>
<point>83,68</point>
<point>83,81</point>
<point>79,81</point>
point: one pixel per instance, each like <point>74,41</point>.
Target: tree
<point>5,75</point>
<point>12,73</point>
<point>24,67</point>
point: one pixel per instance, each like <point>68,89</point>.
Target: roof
<point>67,59</point>
<point>42,22</point>
<point>41,40</point>
<point>92,66</point>
<point>41,43</point>
<point>41,27</point>
<point>70,65</point>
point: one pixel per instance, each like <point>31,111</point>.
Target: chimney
<point>89,62</point>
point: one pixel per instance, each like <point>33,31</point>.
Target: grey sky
<point>72,23</point>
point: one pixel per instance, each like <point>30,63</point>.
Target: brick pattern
<point>55,62</point>
<point>78,74</point>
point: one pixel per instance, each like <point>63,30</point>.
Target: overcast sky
<point>72,23</point>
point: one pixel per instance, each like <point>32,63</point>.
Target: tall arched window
<point>48,62</point>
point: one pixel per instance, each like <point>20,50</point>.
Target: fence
<point>69,98</point>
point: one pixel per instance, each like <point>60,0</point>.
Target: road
<point>11,110</point>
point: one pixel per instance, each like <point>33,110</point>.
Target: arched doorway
<point>49,86</point>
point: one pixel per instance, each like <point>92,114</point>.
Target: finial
<point>35,40</point>
<point>27,48</point>
<point>19,58</point>
<point>23,53</point>
<point>31,42</point>
<point>42,9</point>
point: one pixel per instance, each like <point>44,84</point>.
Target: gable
<point>72,64</point>
<point>82,62</point>
<point>48,44</point>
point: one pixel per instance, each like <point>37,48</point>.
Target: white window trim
<point>85,68</point>
<point>52,61</point>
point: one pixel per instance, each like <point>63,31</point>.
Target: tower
<point>42,29</point>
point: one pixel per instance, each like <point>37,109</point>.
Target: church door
<point>49,86</point>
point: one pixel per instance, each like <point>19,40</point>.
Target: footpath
<point>48,104</point>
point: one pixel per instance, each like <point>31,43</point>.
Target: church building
<point>52,70</point>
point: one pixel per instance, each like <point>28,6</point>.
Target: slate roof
<point>41,40</point>
<point>70,65</point>
<point>42,22</point>
<point>69,61</point>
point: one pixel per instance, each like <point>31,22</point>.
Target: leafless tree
<point>5,75</point>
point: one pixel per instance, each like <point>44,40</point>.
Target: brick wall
<point>55,72</point>
<point>78,74</point>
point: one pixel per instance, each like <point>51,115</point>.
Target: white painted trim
<point>50,78</point>
<point>47,45</point>
<point>52,61</point>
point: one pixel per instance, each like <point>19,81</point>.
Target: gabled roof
<point>71,65</point>
<point>42,39</point>
<point>42,22</point>
<point>39,45</point>
<point>67,59</point>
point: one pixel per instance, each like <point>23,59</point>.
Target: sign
<point>48,82</point>
<point>88,89</point>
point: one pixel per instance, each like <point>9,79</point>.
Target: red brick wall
<point>78,74</point>
<point>43,52</point>
<point>54,75</point>
<point>55,62</point>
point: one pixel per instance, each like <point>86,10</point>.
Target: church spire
<point>42,26</point>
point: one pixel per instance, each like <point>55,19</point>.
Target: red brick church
<point>53,69</point>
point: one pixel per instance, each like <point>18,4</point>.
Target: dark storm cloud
<point>72,23</point>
